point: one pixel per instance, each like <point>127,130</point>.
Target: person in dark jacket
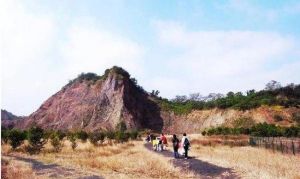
<point>148,138</point>
<point>186,145</point>
<point>175,142</point>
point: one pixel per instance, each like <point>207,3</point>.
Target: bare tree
<point>272,85</point>
<point>213,96</point>
<point>195,97</point>
<point>155,93</point>
<point>180,98</point>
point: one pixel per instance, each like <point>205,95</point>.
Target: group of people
<point>179,147</point>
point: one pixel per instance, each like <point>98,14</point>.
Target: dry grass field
<point>128,160</point>
<point>250,162</point>
<point>134,160</point>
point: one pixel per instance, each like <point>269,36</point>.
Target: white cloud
<point>219,61</point>
<point>168,87</point>
<point>92,49</point>
<point>26,40</point>
<point>39,54</point>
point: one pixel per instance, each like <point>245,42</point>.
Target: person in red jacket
<point>164,141</point>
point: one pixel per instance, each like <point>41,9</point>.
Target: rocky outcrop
<point>198,120</point>
<point>93,102</point>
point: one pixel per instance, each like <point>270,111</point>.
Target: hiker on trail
<point>175,142</point>
<point>164,141</point>
<point>155,144</point>
<point>148,138</point>
<point>186,145</point>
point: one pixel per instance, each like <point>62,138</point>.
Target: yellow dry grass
<point>133,160</point>
<point>250,162</point>
<point>11,169</point>
<point>127,160</point>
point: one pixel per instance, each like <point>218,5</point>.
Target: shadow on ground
<point>204,169</point>
<point>54,170</point>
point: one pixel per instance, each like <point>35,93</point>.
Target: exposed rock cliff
<point>93,102</point>
<point>198,120</point>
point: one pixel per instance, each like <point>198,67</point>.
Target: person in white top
<point>185,143</point>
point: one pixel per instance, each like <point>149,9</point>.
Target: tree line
<point>273,94</point>
<point>258,130</point>
<point>38,137</point>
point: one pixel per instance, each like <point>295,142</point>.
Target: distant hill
<point>91,102</point>
<point>8,119</point>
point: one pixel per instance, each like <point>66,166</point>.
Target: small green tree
<point>121,126</point>
<point>96,137</point>
<point>111,135</point>
<point>72,139</point>
<point>134,134</point>
<point>292,131</point>
<point>4,135</point>
<point>36,140</point>
<point>16,138</point>
<point>122,136</point>
<point>61,134</point>
<point>82,135</point>
<point>56,142</point>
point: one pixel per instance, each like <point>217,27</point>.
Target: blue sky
<point>177,47</point>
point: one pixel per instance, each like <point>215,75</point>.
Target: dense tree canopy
<point>273,94</point>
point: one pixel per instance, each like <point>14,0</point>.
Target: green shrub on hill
<point>36,139</point>
<point>16,138</point>
<point>133,134</point>
<point>82,135</point>
<point>288,96</point>
<point>4,135</point>
<point>121,136</point>
<point>96,137</point>
<point>56,142</point>
<point>72,138</point>
<point>259,130</point>
<point>110,135</point>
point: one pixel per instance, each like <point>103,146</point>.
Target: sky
<point>176,47</point>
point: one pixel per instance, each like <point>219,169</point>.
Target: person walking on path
<point>185,144</point>
<point>164,141</point>
<point>175,142</point>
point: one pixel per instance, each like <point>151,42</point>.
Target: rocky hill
<point>91,102</point>
<point>8,119</point>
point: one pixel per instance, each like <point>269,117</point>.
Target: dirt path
<point>204,169</point>
<point>43,170</point>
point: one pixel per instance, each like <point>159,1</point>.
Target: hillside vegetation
<point>273,94</point>
<point>260,130</point>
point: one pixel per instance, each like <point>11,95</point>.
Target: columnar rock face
<point>93,102</point>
